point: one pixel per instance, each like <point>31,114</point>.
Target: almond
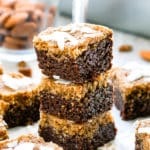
<point>125,48</point>
<point>16,18</point>
<point>145,54</point>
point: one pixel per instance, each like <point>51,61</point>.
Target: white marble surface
<point>125,135</point>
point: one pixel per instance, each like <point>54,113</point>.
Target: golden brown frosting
<point>71,90</point>
<point>70,40</point>
<point>13,86</point>
<point>68,127</point>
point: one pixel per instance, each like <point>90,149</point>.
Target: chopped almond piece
<point>26,71</point>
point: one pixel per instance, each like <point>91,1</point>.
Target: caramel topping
<point>71,90</point>
<point>70,40</point>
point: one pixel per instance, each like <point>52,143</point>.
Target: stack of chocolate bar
<point>76,95</point>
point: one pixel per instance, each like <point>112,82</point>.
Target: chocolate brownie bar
<point>28,142</point>
<point>132,91</point>
<point>3,129</point>
<point>19,103</point>
<point>142,135</point>
<point>70,135</point>
<point>76,52</point>
<point>77,102</point>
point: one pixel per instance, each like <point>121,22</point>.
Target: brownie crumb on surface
<point>24,69</point>
<point>21,64</point>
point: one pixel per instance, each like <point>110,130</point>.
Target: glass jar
<point>19,22</point>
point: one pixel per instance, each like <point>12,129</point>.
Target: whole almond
<point>3,18</point>
<point>125,48</point>
<point>15,19</point>
<point>15,40</point>
<point>145,54</point>
<point>24,29</point>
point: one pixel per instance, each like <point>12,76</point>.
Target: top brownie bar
<point>76,52</point>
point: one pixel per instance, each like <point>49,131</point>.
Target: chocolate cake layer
<point>84,68</point>
<point>90,135</point>
<point>75,102</point>
<point>76,52</point>
<point>132,92</point>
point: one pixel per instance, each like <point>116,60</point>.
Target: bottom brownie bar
<point>87,136</point>
<point>142,135</point>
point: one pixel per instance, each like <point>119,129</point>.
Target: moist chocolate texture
<point>131,93</point>
<point>77,102</point>
<point>18,116</point>
<point>95,60</point>
<point>89,135</point>
<point>76,52</point>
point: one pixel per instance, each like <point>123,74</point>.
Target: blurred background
<point>20,20</point>
<point>125,15</point>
